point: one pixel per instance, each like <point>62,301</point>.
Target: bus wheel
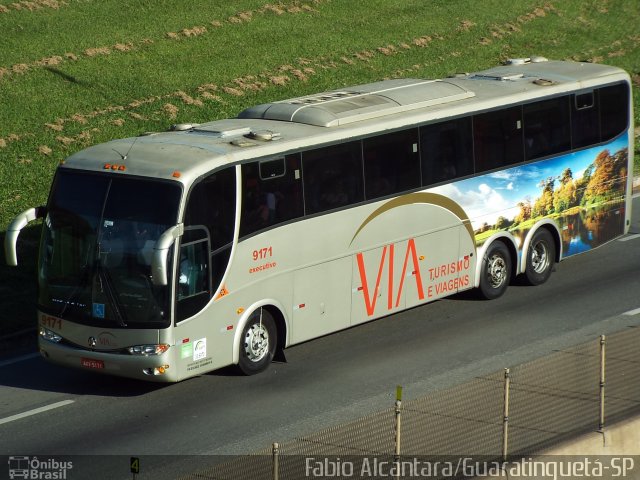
<point>258,343</point>
<point>496,271</point>
<point>540,257</point>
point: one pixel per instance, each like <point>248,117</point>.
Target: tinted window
<point>194,288</point>
<point>546,127</point>
<point>497,138</point>
<point>332,177</point>
<point>97,246</point>
<point>271,193</point>
<point>614,110</point>
<point>446,150</point>
<point>209,225</point>
<point>585,120</point>
<point>391,163</point>
<point>212,204</point>
<point>272,168</point>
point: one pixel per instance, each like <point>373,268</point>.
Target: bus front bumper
<point>154,368</point>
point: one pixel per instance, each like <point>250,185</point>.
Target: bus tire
<point>541,255</point>
<point>257,343</point>
<point>496,271</point>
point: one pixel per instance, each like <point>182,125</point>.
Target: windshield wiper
<point>82,283</point>
<point>107,287</point>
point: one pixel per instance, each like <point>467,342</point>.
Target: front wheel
<point>540,257</point>
<point>496,271</point>
<point>258,343</point>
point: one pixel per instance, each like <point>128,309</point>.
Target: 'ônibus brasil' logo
<point>34,468</point>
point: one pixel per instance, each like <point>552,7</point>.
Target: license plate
<point>90,363</point>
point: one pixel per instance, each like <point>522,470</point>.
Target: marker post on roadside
<point>398,420</point>
<point>134,465</point>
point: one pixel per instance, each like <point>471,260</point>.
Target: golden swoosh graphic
<point>420,197</point>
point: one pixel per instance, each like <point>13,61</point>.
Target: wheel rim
<point>256,342</point>
<point>540,257</point>
<point>497,271</point>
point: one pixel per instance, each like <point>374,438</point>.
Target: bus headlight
<point>147,350</point>
<point>49,335</point>
<point>156,371</point>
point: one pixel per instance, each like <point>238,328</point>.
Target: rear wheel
<point>496,271</point>
<point>540,257</point>
<point>258,343</point>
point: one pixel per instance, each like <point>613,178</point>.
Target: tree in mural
<point>608,178</point>
<point>544,203</point>
<point>525,211</point>
<point>502,223</point>
<point>566,177</point>
<point>566,195</point>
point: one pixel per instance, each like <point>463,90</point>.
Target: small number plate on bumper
<point>91,363</point>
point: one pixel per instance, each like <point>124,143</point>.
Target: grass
<point>80,72</point>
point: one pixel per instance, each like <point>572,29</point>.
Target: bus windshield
<point>97,246</point>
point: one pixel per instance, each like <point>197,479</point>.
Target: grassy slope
<point>110,70</point>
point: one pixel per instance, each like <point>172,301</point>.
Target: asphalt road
<point>49,411</point>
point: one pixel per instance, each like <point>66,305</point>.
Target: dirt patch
<point>32,6</point>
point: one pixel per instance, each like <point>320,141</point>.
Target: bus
<point>171,254</point>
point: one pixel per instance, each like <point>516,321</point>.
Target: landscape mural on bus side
<point>583,192</point>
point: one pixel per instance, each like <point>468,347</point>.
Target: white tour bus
<point>172,254</point>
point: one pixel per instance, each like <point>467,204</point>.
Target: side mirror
<point>160,253</point>
<point>11,240</point>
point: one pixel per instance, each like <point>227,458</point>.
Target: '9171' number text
<point>262,253</point>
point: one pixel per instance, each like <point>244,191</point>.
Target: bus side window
<point>391,163</point>
<point>194,282</point>
<point>546,127</point>
<point>193,277</point>
<point>210,211</point>
<point>497,139</point>
<point>446,150</point>
<point>271,193</point>
<point>585,120</point>
<point>332,177</point>
<point>614,110</point>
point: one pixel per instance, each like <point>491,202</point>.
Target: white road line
<point>19,359</point>
<point>632,312</point>
<point>630,237</point>
<point>35,411</point>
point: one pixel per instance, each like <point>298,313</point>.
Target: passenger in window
<point>447,157</point>
<point>146,235</point>
<point>185,275</point>
<point>270,206</point>
<point>334,194</point>
<point>191,278</point>
<point>536,141</point>
<point>377,185</point>
<point>448,171</point>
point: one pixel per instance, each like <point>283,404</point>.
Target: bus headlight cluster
<point>156,371</point>
<point>49,335</point>
<point>147,350</point>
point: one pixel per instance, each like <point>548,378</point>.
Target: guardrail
<point>506,415</point>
